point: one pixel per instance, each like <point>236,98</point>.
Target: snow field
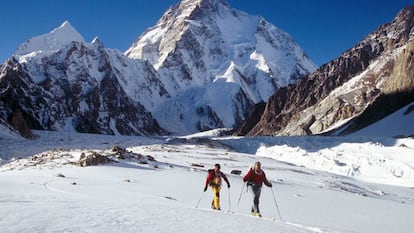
<point>162,196</point>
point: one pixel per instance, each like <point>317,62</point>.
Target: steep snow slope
<point>397,124</point>
<point>50,42</point>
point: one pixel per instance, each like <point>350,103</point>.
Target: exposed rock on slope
<point>366,83</point>
<point>73,85</point>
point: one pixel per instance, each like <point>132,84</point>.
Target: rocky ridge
<point>75,86</point>
<point>363,85</point>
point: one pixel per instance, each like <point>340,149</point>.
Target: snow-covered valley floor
<point>320,184</point>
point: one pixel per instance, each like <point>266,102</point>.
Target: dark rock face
<point>328,96</point>
<point>63,91</point>
<point>17,121</point>
<point>18,90</point>
<point>254,118</point>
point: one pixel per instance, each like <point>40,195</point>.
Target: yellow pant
<point>216,199</point>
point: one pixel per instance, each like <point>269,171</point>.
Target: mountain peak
<point>96,41</point>
<point>195,7</point>
<point>189,8</point>
<point>198,45</point>
<point>68,29</point>
<point>406,13</point>
<point>52,41</point>
<point>202,2</point>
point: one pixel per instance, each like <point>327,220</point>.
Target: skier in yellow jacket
<point>214,180</point>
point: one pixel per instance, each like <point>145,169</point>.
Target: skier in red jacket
<point>214,180</point>
<point>255,178</point>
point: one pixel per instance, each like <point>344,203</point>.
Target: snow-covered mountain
<point>216,63</point>
<point>59,82</point>
<point>50,42</point>
<point>203,66</point>
<point>366,83</point>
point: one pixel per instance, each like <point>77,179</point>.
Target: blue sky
<point>323,28</point>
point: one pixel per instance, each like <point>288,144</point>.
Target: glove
<point>228,185</point>
<point>270,185</point>
<point>205,188</point>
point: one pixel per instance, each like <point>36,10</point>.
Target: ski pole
<point>229,201</point>
<point>277,206</point>
<point>202,194</point>
<point>238,202</point>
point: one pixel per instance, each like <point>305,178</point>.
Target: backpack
<point>216,181</point>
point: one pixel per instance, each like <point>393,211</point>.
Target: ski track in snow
<point>274,220</point>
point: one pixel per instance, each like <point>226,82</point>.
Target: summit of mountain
<point>49,42</point>
<point>216,62</point>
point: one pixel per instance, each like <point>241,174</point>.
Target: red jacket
<point>257,178</point>
<point>211,175</point>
